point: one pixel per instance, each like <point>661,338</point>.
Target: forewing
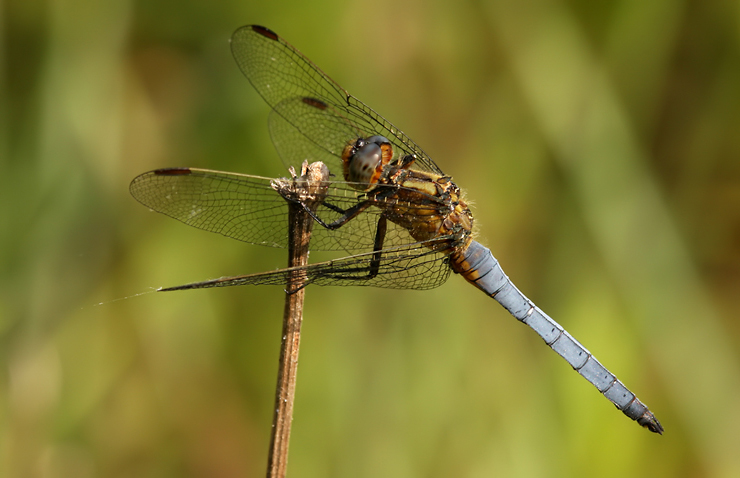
<point>322,135</point>
<point>279,72</point>
<point>243,207</point>
<point>247,208</point>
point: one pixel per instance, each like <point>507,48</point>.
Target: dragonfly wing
<point>315,132</point>
<point>421,266</point>
<point>247,208</point>
<point>243,207</point>
<point>279,72</point>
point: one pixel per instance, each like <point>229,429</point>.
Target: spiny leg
<point>378,246</point>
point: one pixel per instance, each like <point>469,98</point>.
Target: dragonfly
<point>401,221</point>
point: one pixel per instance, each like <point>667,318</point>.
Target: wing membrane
<point>247,208</point>
<point>279,72</point>
<point>418,266</point>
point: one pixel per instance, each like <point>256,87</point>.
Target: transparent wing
<point>419,266</point>
<point>247,208</point>
<point>317,120</point>
<point>292,85</point>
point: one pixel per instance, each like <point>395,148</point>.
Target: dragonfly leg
<point>407,161</point>
<point>347,215</point>
<point>303,285</point>
<point>376,196</point>
<point>359,270</point>
<point>335,208</point>
<point>378,246</point>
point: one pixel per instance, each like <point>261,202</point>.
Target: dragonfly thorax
<point>365,159</point>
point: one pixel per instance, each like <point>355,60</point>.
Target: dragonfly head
<point>364,160</point>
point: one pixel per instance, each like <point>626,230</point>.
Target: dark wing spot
<point>172,172</point>
<point>315,103</point>
<point>266,32</point>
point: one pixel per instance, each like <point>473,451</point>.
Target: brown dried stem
<point>308,190</point>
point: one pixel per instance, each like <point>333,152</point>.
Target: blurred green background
<point>598,141</point>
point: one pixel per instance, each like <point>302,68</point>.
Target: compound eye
<point>364,162</point>
<point>377,139</point>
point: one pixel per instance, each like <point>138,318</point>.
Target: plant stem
<point>308,191</point>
